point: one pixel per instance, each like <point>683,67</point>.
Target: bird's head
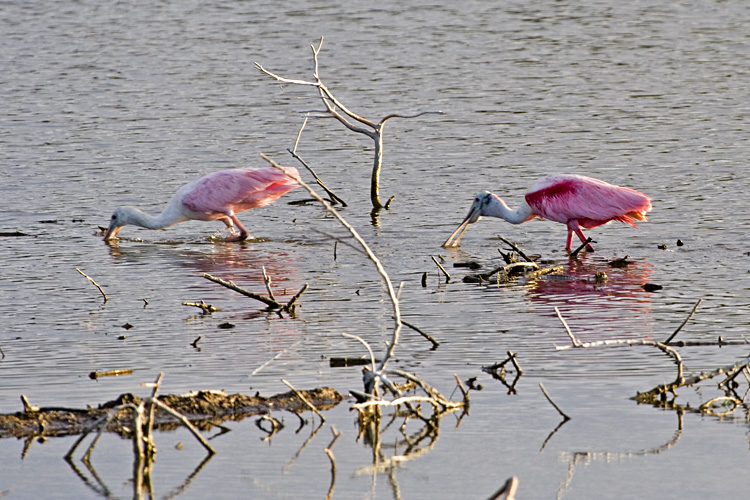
<point>121,217</point>
<point>480,203</point>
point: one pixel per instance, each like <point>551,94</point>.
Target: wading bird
<point>574,200</point>
<point>215,196</point>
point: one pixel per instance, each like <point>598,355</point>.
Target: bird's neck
<point>168,217</point>
<point>498,208</point>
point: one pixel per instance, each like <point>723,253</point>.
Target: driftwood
<point>205,409</point>
<point>659,394</point>
<point>334,108</point>
<point>270,301</point>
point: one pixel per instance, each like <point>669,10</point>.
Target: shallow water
<point>111,104</point>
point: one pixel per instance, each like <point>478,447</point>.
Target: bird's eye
<point>476,200</point>
<point>114,217</point>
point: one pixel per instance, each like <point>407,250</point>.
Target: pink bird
<point>574,200</point>
<point>215,196</point>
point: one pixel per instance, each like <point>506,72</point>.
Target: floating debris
<point>652,287</point>
<point>110,373</point>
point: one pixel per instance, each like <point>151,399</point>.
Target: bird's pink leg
<point>573,227</point>
<point>569,241</point>
<point>231,222</point>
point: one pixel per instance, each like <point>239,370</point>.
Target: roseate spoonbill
<point>574,200</point>
<point>215,196</point>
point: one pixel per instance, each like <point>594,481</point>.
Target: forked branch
<point>351,120</point>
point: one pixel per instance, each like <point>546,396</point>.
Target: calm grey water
<point>112,103</point>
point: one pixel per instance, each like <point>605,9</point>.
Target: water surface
<point>114,103</point>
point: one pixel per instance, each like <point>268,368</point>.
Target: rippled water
<point>115,103</point>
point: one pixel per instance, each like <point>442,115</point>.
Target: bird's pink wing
<point>233,191</point>
<point>589,201</point>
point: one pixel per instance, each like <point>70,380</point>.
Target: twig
<point>28,407</point>
<point>187,424</point>
<point>546,395</point>
<point>514,247</point>
<point>684,322</point>
<point>334,198</point>
<point>267,281</point>
<point>206,308</point>
<point>464,392</point>
<point>576,342</point>
<point>93,283</point>
<point>447,276</point>
<point>651,396</point>
<point>289,307</point>
<point>435,343</point>
<point>508,489</point>
<point>304,400</point>
<point>293,152</point>
<point>575,252</point>
<point>367,346</point>
<point>151,410</point>
<point>378,265</point>
<point>512,357</point>
<point>229,284</point>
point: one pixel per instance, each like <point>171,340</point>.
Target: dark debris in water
<point>619,263</point>
<point>12,234</point>
<point>470,264</point>
<point>652,287</point>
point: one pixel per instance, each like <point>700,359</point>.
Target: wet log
<point>205,409</point>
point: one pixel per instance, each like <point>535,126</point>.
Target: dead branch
<point>575,252</point>
<point>352,121</point>
<point>206,308</point>
<point>91,280</point>
<point>576,342</point>
<point>660,391</point>
<point>370,254</point>
<point>179,416</point>
<point>270,302</point>
<point>508,489</point>
<point>333,198</point>
<point>435,343</point>
<point>497,371</point>
<point>684,322</point>
<point>267,281</point>
<point>514,247</point>
<point>554,405</point>
<point>447,276</point>
<point>304,400</point>
<point>289,307</point>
